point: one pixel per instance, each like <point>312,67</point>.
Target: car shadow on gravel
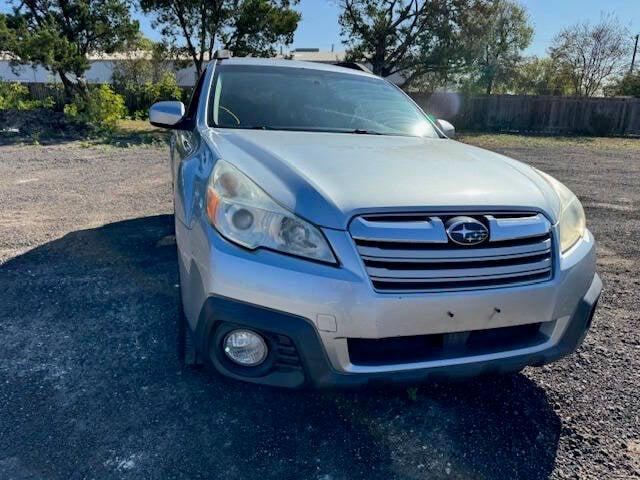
<point>92,387</point>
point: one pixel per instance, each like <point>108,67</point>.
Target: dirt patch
<point>91,386</point>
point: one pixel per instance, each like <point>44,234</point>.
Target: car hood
<point>328,178</point>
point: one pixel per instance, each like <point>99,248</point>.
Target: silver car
<point>330,233</point>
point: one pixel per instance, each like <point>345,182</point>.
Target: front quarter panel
<point>192,174</point>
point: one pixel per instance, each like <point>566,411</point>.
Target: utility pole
<point>633,59</point>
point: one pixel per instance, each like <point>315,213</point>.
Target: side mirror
<point>166,114</point>
<point>448,129</point>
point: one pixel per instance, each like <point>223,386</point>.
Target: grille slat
<point>430,230</point>
<point>466,278</point>
<point>395,266</point>
<point>466,259</point>
<point>490,272</point>
<point>531,248</point>
<point>466,270</point>
<point>443,285</point>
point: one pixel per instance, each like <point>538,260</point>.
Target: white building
<point>102,67</point>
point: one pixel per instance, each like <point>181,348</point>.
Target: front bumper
<point>319,307</point>
<point>314,369</point>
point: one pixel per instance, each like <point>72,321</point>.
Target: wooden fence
<point>490,113</point>
<point>536,114</point>
<point>42,91</point>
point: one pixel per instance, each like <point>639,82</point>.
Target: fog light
<point>245,347</point>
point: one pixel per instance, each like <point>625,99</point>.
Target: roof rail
<point>222,54</point>
<point>353,66</point>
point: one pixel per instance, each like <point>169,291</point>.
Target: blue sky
<point>319,26</point>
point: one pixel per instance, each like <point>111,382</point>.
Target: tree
<point>143,60</point>
<point>59,35</point>
<point>628,86</point>
<point>506,32</point>
<point>246,27</point>
<point>539,76</point>
<point>591,54</point>
<point>411,38</point>
<point>145,74</point>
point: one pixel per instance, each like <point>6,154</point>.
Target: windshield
<point>284,98</point>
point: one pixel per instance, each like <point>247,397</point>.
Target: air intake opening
<point>424,348</point>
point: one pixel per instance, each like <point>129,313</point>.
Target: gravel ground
<point>91,386</point>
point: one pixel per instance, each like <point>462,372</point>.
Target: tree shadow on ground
<point>47,127</point>
<point>92,387</point>
<point>118,138</point>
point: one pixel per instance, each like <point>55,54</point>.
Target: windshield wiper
<point>357,131</point>
<point>362,131</point>
<point>250,127</point>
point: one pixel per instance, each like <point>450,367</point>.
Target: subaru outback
<point>330,233</point>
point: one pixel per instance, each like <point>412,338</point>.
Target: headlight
<point>243,213</point>
<point>572,221</point>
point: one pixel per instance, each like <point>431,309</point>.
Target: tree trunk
<point>71,88</point>
<point>489,86</point>
<point>377,66</point>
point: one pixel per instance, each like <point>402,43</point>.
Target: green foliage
<point>142,95</point>
<point>140,115</point>
<point>143,61</point>
<point>505,34</point>
<point>146,75</point>
<point>539,76</point>
<point>416,38</point>
<point>15,96</point>
<point>59,34</point>
<point>243,26</point>
<point>628,86</point>
<point>255,26</point>
<point>101,108</point>
<point>35,137</point>
<point>412,394</point>
<point>165,89</point>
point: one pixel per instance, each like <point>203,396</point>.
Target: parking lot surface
<point>91,387</point>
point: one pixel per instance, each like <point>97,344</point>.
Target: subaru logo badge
<point>466,231</point>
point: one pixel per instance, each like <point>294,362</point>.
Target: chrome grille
<point>409,253</point>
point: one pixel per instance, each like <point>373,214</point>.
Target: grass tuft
<point>505,140</point>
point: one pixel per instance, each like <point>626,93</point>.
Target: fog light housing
<point>245,348</point>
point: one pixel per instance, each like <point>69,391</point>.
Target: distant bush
<point>166,89</point>
<point>15,96</point>
<point>101,109</point>
<point>629,86</point>
<point>140,96</point>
